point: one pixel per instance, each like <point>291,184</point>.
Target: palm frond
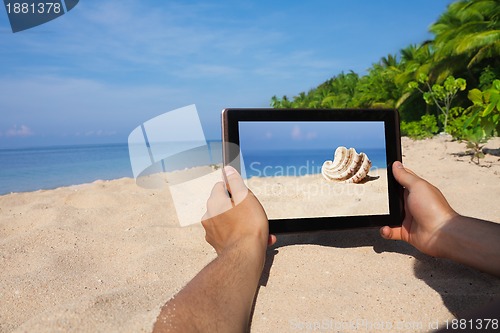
<point>477,41</point>
<point>490,51</point>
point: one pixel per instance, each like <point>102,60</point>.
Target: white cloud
<point>105,35</point>
<point>311,135</point>
<point>111,64</point>
<point>65,106</point>
<point>97,133</point>
<point>175,39</point>
<point>296,133</point>
<point>300,63</point>
<point>197,71</point>
<point>21,131</point>
<point>61,97</point>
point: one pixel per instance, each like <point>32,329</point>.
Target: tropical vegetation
<point>450,83</point>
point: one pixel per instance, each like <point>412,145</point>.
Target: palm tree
<point>390,61</point>
<point>340,90</point>
<point>415,61</point>
<point>378,88</point>
<point>467,36</point>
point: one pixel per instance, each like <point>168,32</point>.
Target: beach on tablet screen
<point>284,164</point>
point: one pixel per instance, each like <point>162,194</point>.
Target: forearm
<point>472,242</point>
<point>220,297</point>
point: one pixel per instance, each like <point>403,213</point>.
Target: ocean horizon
<point>44,168</point>
<point>298,162</point>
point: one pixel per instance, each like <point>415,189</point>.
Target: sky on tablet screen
<point>97,72</point>
<point>311,135</point>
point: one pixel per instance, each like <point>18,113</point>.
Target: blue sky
<point>311,135</point>
<point>94,74</point>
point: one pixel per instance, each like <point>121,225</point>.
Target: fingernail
<point>229,170</point>
<point>382,233</point>
<point>399,165</point>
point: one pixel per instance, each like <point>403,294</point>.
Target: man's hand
<point>427,211</point>
<point>434,228</point>
<point>228,224</point>
<point>220,297</point>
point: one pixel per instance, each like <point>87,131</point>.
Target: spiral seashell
<point>347,166</point>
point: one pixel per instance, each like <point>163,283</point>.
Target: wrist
<point>446,237</point>
<point>472,242</point>
<point>250,250</point>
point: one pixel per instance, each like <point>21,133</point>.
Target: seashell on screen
<point>347,166</point>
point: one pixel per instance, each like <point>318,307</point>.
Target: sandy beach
<point>104,257</point>
<point>313,196</point>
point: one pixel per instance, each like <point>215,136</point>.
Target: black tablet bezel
<point>390,117</point>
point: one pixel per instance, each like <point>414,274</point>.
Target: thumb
<point>393,233</point>
<point>271,240</point>
<point>235,184</point>
<point>404,176</point>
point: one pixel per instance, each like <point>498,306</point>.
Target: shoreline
<point>107,255</point>
<point>66,186</point>
<point>493,144</point>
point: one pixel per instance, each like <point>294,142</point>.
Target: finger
<point>408,217</point>
<point>271,240</point>
<point>205,217</point>
<point>218,193</point>
<point>236,185</point>
<point>391,233</point>
<point>218,202</point>
<point>404,176</point>
<point>411,171</point>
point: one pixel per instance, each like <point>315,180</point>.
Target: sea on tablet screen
<point>291,167</point>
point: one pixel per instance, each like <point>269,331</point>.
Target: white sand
<point>313,196</point>
<point>106,256</point>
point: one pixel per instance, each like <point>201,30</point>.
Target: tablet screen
<point>291,167</point>
<point>318,169</point>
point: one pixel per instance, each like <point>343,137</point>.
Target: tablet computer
<point>318,169</point>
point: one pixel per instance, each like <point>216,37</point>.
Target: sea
<point>31,169</point>
<point>298,162</point>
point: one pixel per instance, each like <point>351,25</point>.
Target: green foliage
<point>467,36</point>
<point>456,123</point>
<point>378,89</point>
<point>482,119</point>
<point>419,78</point>
<point>488,75</point>
<point>334,93</point>
<point>475,143</point>
<point>486,109</point>
<point>440,95</point>
<point>425,128</point>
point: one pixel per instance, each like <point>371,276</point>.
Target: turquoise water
<point>299,162</point>
<point>31,169</point>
